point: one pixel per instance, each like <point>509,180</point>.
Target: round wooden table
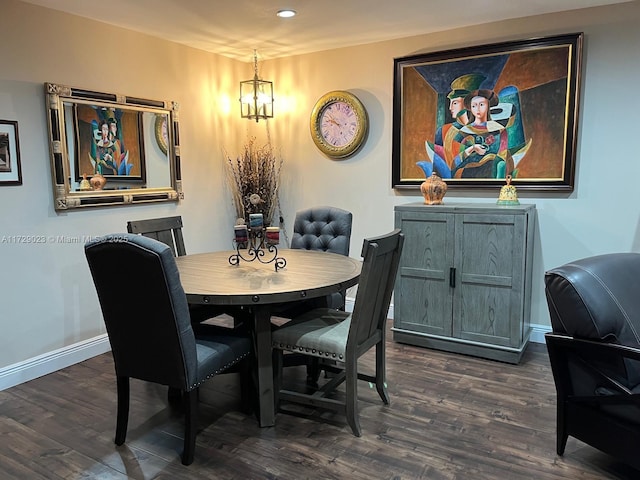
<point>209,278</point>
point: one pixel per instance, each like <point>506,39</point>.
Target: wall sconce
<point>256,96</point>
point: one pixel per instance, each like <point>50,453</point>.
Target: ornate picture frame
<point>476,115</point>
<point>145,173</point>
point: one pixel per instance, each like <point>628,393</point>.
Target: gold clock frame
<point>160,124</point>
<point>344,151</point>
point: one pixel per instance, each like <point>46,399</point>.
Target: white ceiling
<point>234,28</point>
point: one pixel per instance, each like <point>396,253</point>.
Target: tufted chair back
<point>323,228</point>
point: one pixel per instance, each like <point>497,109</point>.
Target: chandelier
<point>256,96</point>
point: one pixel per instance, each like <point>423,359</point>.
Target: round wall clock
<point>162,135</point>
<point>339,124</point>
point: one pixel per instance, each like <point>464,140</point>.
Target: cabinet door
<point>423,297</point>
<point>489,260</point>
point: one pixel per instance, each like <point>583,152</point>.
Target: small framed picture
<point>10,170</point>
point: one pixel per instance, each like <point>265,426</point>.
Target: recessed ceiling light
<point>286,13</point>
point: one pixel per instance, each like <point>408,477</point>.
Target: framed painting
<point>109,141</point>
<point>476,115</point>
<point>10,169</point>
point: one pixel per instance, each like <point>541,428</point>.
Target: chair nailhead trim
<point>220,370</point>
<point>293,348</point>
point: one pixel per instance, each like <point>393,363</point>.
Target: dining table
<point>258,288</point>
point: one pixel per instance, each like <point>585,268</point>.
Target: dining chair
<point>150,331</point>
<point>326,229</point>
<point>327,333</point>
<point>168,230</point>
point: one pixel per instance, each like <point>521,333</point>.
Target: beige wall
<point>591,220</point>
<point>47,298</point>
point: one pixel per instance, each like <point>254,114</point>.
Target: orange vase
<point>433,189</point>
<point>98,181</point>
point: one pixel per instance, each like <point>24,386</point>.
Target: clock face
<point>339,124</point>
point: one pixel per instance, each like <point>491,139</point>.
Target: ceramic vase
<point>433,190</point>
<point>98,181</point>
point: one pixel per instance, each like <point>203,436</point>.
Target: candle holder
<point>260,243</point>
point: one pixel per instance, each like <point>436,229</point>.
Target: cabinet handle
<point>452,277</point>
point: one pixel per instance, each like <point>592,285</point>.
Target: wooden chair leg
<point>278,364</point>
<point>174,397</point>
<point>351,393</point>
<point>123,409</point>
<point>190,425</point>
<point>246,387</point>
<point>313,370</point>
<point>381,376</point>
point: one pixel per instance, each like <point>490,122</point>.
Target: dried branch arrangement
<point>254,178</point>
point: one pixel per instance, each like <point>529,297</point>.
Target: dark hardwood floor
<point>451,417</point>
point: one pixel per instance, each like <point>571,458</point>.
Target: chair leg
<point>381,376</point>
<point>313,370</point>
<point>190,424</point>
<point>123,409</point>
<point>351,393</point>
<point>246,390</point>
<point>561,428</point>
<point>174,397</point>
<point>278,364</point>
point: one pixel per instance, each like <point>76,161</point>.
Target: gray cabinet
<point>464,282</point>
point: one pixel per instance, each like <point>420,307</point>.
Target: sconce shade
<point>256,96</point>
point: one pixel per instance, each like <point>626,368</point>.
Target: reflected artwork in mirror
<point>109,149</point>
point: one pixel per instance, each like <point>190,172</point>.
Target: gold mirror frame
<point>67,144</point>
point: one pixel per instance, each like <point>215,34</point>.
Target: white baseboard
<point>52,361</point>
<point>537,331</point>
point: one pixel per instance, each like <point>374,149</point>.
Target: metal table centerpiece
<point>258,243</point>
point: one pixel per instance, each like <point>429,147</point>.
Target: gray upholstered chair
<point>594,351</point>
<point>336,335</point>
<point>147,318</point>
<point>326,229</point>
<point>168,230</point>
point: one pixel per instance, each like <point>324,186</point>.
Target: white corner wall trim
<point>52,361</point>
<point>537,331</point>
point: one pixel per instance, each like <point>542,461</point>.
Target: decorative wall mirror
<point>109,149</point>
